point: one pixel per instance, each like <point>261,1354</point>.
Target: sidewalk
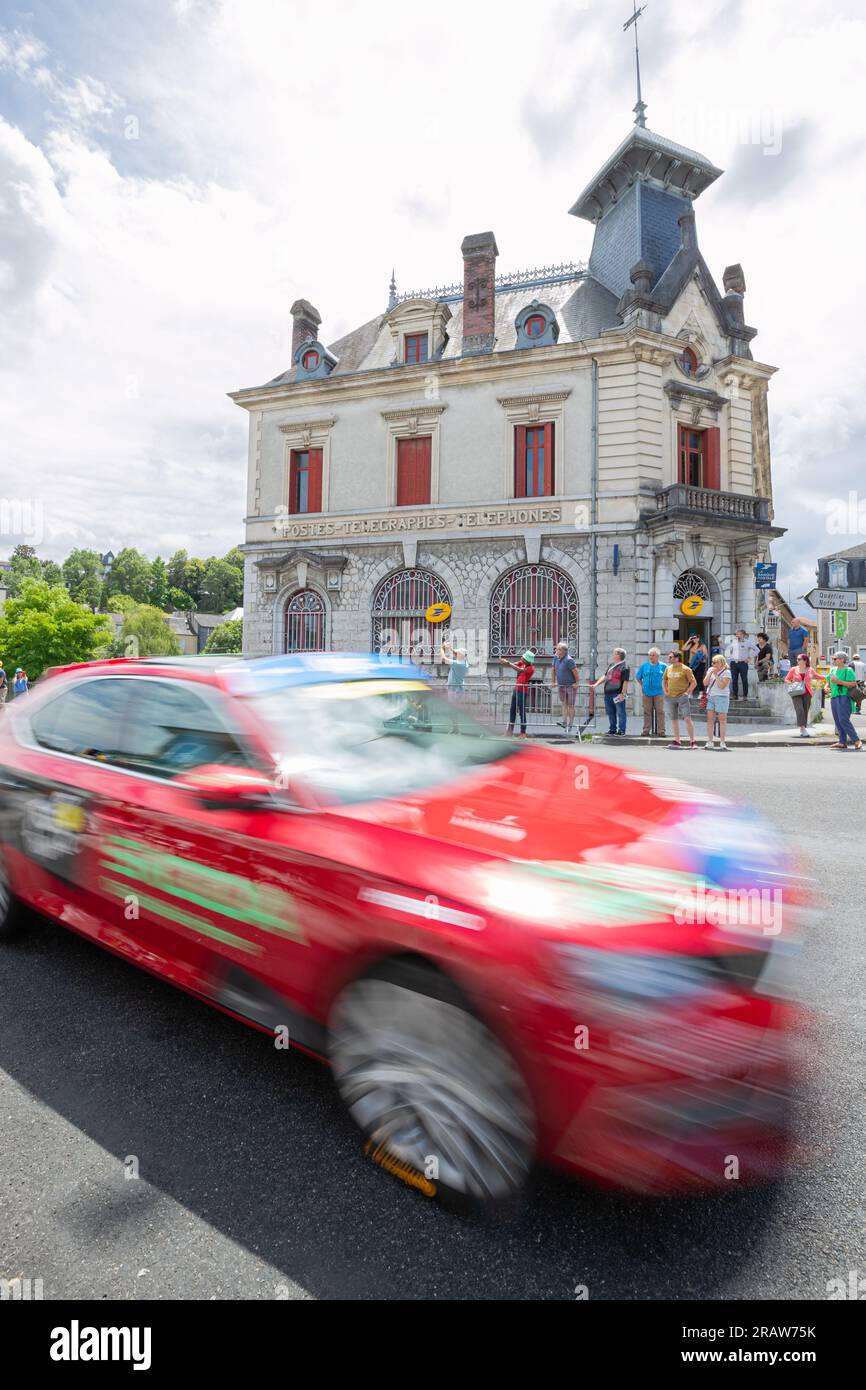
<point>738,735</point>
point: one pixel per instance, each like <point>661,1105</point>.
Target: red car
<point>507,953</point>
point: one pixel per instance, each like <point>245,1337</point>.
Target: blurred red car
<point>507,953</point>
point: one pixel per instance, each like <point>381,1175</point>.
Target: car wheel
<point>430,1085</point>
<point>9,911</point>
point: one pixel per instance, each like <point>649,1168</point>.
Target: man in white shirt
<point>742,649</point>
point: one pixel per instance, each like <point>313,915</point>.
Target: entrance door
<point>693,627</point>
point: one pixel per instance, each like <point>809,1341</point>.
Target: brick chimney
<point>305,323</point>
<point>479,292</point>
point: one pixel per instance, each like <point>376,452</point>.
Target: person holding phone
<point>525,669</point>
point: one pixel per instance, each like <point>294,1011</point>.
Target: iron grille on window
<point>305,622</point>
<point>533,607</point>
<point>399,605</point>
<point>691,585</point>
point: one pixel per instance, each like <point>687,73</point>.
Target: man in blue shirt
<point>798,636</point>
<point>649,678</point>
<point>564,674</point>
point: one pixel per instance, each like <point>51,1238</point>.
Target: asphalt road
<point>251,1181</point>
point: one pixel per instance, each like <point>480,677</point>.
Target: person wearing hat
<point>841,679</point>
<point>525,669</point>
<point>21,684</point>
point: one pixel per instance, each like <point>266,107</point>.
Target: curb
<point>634,741</point>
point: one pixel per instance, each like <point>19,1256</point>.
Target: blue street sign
<point>765,576</point>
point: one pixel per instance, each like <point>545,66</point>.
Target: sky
<point>175,173</point>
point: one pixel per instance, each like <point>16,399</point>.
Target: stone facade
<point>622,530</point>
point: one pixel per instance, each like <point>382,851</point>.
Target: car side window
<point>173,729</point>
<point>86,721</point>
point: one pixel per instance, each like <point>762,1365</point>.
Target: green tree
<point>158,583</point>
<point>25,565</point>
<point>43,626</point>
<point>82,575</point>
<point>228,638</point>
<point>222,587</point>
<point>179,600</point>
<point>194,581</point>
<point>146,632</point>
<point>235,558</point>
<point>122,603</point>
<point>176,570</point>
<point>52,573</point>
<point>130,574</point>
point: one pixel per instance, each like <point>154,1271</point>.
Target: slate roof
<point>643,154</point>
<point>583,309</point>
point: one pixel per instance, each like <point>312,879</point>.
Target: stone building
<point>570,452</point>
<point>844,569</point>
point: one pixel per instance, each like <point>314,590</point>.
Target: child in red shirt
<point>525,669</point>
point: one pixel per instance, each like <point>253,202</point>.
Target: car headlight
<point>650,977</point>
<point>582,894</point>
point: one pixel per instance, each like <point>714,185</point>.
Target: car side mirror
<point>228,788</point>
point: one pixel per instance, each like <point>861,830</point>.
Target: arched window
<point>305,622</point>
<point>533,607</point>
<point>311,360</point>
<point>691,585</point>
<point>535,325</point>
<point>689,361</point>
<point>399,605</point>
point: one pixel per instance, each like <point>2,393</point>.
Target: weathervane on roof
<point>640,107</point>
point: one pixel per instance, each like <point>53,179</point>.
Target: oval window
<point>689,362</point>
<point>311,360</point>
<point>535,325</point>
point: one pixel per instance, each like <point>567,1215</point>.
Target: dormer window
<point>536,326</point>
<point>313,359</point>
<point>415,348</point>
<point>418,329</point>
<point>688,362</point>
<point>837,574</point>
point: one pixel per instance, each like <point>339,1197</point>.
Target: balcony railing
<point>707,501</point>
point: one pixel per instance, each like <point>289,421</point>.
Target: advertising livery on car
<point>507,953</point>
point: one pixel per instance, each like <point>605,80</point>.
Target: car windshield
<point>369,740</point>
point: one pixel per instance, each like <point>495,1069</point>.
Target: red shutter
<point>413,471</point>
<point>293,482</point>
<point>548,460</point>
<point>520,461</point>
<point>712,459</point>
<point>314,487</point>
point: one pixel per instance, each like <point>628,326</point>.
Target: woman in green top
<point>840,680</point>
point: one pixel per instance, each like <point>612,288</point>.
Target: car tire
<point>430,1086</point>
<point>10,908</point>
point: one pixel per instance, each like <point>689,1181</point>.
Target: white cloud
<point>281,150</point>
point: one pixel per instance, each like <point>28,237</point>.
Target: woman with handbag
<point>799,683</point>
<point>716,700</point>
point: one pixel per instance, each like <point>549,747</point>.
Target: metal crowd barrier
<point>492,703</point>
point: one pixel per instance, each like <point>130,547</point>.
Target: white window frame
<point>408,423</point>
<point>304,435</point>
<point>537,408</point>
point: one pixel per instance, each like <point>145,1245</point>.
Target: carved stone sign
<point>508,516</point>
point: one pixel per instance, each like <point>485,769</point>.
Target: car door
<point>209,876</point>
<point>63,776</point>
